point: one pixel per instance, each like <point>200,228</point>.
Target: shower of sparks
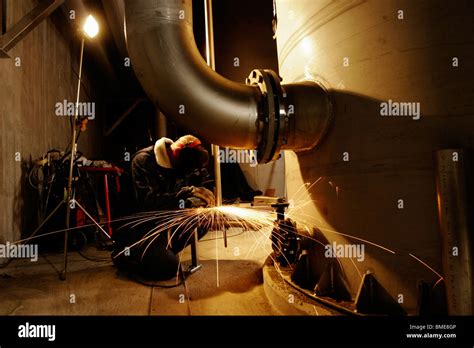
<point>295,216</point>
<point>260,223</point>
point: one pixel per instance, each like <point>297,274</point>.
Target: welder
<point>167,176</point>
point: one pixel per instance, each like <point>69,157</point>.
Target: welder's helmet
<point>189,154</point>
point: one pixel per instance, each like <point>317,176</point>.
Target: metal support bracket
<point>332,283</point>
<point>31,20</point>
<point>372,298</point>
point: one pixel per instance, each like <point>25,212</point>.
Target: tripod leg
<point>70,199</point>
<point>47,219</point>
<point>62,276</point>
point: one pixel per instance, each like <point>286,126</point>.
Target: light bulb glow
<point>91,27</point>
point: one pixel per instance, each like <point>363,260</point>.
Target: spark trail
<point>183,222</point>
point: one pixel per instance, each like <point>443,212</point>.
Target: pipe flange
<point>272,120</point>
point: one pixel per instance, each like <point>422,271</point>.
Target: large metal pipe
<point>259,115</point>
<point>175,76</point>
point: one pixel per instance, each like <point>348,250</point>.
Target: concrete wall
<point>28,124</point>
<point>406,60</point>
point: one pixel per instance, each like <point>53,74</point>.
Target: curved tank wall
<point>376,174</point>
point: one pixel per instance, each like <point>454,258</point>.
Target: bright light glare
<point>245,213</point>
<point>307,46</point>
<point>91,27</point>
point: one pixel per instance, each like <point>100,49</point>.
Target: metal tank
<point>398,74</point>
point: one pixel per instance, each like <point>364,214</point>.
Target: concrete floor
<point>231,286</point>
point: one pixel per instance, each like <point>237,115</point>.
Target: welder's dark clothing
<point>153,258</point>
<point>157,188</point>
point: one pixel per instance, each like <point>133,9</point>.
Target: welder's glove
<point>185,192</point>
<point>204,194</point>
<point>201,193</point>
<point>194,202</point>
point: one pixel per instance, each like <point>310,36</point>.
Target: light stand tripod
<point>90,30</point>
